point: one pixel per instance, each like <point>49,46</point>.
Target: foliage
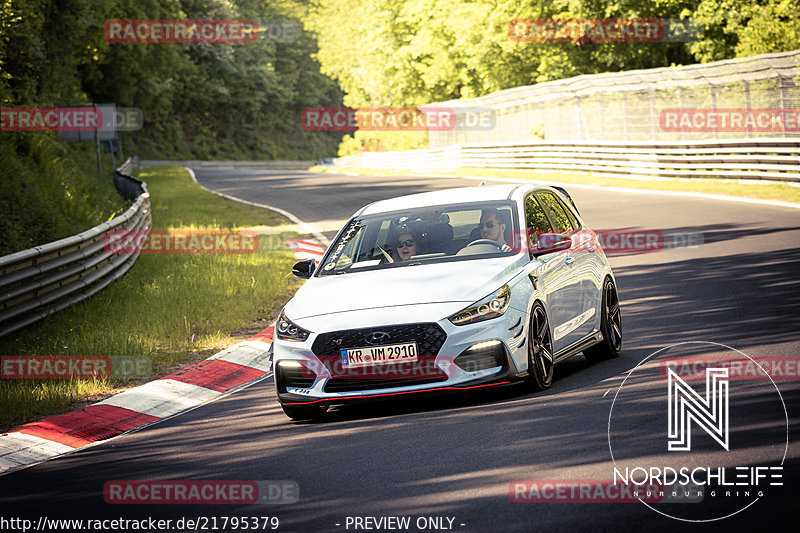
<point>741,28</point>
<point>382,141</point>
<point>244,100</point>
<point>202,100</point>
<point>413,52</point>
<point>50,192</point>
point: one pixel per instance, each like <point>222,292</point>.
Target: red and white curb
<point>232,369</point>
<point>306,249</point>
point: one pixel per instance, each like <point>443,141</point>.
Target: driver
<point>493,228</point>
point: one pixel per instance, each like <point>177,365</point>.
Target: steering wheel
<point>486,241</point>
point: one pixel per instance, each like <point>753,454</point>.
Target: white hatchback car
<point>448,290</point>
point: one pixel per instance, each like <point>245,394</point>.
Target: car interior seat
<point>439,236</point>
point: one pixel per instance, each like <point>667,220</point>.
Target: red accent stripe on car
<point>341,398</point>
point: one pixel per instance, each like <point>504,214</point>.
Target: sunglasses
<point>489,224</point>
<point>406,244</point>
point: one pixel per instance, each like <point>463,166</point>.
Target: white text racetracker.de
<point>400,523</point>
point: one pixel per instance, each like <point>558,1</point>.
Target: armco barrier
<point>42,280</point>
<point>272,165</point>
<point>766,159</point>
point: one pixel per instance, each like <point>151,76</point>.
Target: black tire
<point>302,412</point>
<point>540,350</point>
<point>610,326</point>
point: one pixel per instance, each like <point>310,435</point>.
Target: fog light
<point>484,344</point>
<point>482,356</point>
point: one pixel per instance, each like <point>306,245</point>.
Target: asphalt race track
<point>454,457</point>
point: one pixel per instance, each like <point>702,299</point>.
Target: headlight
<point>289,331</point>
<point>492,306</point>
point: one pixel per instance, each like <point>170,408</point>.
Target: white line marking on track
<point>306,226</point>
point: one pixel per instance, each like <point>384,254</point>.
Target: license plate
<point>393,353</point>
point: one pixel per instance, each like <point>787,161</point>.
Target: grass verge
<point>754,189</point>
<point>168,310</point>
<point>51,189</point>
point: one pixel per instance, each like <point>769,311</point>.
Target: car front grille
<point>429,338</point>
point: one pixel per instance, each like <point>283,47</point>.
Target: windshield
<point>443,233</point>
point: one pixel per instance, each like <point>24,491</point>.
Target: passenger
<point>408,245</point>
<point>493,228</point>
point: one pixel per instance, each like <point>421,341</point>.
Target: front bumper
<point>457,365</point>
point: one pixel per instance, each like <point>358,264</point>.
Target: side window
<point>535,219</point>
<point>572,218</point>
<point>556,213</point>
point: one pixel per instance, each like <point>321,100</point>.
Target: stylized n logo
<point>685,405</point>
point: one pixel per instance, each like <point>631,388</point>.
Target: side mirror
<point>304,269</point>
<point>549,243</point>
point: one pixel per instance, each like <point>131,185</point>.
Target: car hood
<point>462,282</point>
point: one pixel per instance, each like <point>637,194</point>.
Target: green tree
<point>411,52</point>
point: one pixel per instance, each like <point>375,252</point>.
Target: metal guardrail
<point>278,165</point>
<point>39,281</point>
<point>765,159</point>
